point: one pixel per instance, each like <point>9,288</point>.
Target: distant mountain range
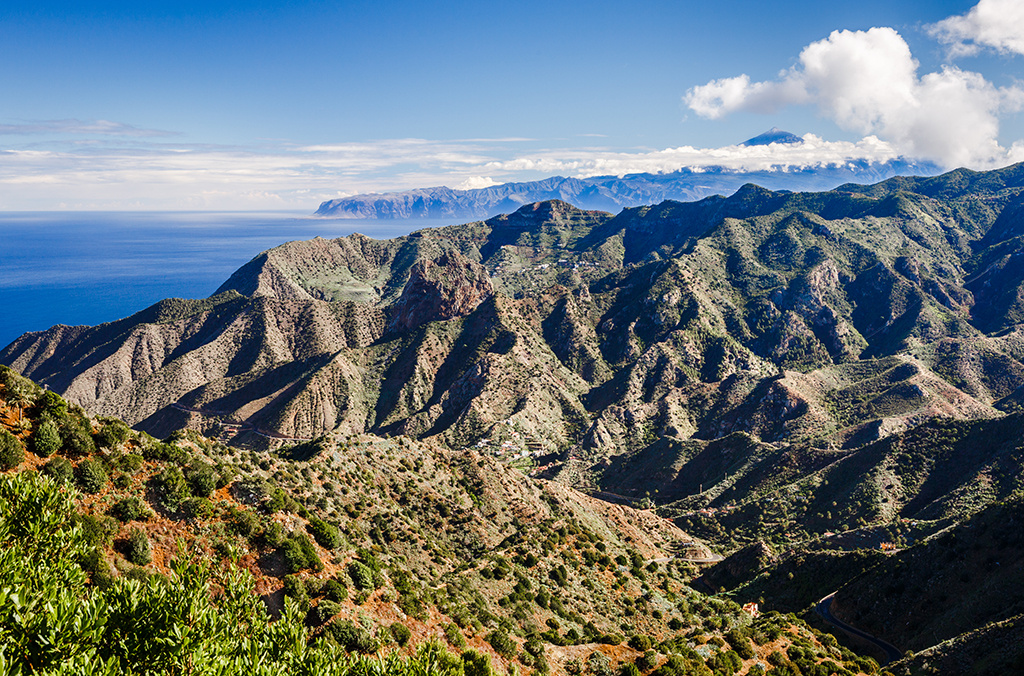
<point>613,193</point>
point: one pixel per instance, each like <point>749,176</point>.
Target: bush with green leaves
<point>12,451</point>
<point>172,487</point>
<point>245,523</point>
<point>98,531</point>
<point>740,642</point>
<point>335,590</point>
<point>502,642</point>
<point>202,479</point>
<point>46,439</point>
<point>299,553</point>
<point>90,476</point>
<point>295,588</point>
<point>476,664</point>
<point>647,661</point>
<point>326,534</point>
<point>352,637</point>
<point>629,669</point>
<point>76,436</point>
<point>198,510</point>
<point>60,470</point>
<point>137,548</point>
<point>324,611</point>
<point>52,405</point>
<point>131,508</point>
<point>454,635</point>
<point>112,434</point>
<point>362,576</point>
<point>400,633</point>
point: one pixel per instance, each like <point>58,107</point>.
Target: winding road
<point>823,608</point>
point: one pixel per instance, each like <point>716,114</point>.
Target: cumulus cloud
<point>996,24</point>
<point>868,82</point>
<point>476,182</point>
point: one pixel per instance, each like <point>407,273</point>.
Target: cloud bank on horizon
<point>868,82</point>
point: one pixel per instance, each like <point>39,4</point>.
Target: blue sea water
<point>92,267</point>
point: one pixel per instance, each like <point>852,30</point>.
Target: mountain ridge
<point>609,193</point>
<point>817,381</point>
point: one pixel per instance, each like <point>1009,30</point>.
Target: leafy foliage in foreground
<point>53,622</point>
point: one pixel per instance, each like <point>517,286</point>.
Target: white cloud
<point>727,95</point>
<point>997,24</point>
<point>476,182</point>
<point>602,162</point>
<point>867,82</point>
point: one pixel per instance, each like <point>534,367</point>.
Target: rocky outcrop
<point>447,287</point>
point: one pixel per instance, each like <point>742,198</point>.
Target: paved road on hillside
<point>824,609</point>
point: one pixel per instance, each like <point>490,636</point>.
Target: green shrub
<point>76,436</point>
<point>112,434</point>
<point>400,633</point>
<point>454,635</point>
<point>46,440</point>
<point>197,509</point>
<point>245,523</point>
<point>647,661</point>
<point>97,531</point>
<point>326,535</point>
<point>295,588</point>
<point>130,509</point>
<point>12,451</point>
<point>90,476</point>
<point>157,450</point>
<point>351,637</point>
<point>202,479</point>
<point>476,664</point>
<point>335,590</point>
<point>324,611</point>
<point>299,554</point>
<point>130,462</point>
<point>640,642</point>
<point>60,470</point>
<point>172,487</point>
<point>629,669</point>
<point>741,644</point>
<point>97,568</point>
<point>137,549</point>
<point>52,405</point>
<point>362,576</point>
<point>502,642</point>
<point>274,535</point>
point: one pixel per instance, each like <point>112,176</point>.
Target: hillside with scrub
<point>126,554</point>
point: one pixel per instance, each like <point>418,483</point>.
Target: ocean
<point>94,267</point>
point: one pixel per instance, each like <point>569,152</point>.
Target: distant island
<point>614,193</point>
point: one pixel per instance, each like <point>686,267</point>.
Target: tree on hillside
<point>19,399</point>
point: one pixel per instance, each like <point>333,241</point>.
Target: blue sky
<point>242,105</point>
